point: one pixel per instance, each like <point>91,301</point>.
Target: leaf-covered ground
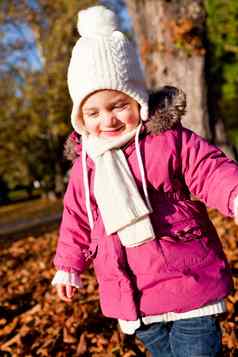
<point>34,322</point>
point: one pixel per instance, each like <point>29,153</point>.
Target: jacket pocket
<point>186,245</point>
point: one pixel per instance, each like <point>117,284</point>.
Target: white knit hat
<point>103,58</point>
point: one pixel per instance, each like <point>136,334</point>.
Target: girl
<point>157,257</point>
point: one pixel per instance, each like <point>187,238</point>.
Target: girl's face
<point>110,113</point>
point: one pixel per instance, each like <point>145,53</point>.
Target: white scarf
<point>120,204</point>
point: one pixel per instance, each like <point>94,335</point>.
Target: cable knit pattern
<point>103,58</point>
<point>118,46</point>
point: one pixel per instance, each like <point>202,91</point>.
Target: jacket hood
<point>166,109</point>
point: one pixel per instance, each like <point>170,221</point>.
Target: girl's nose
<point>108,119</point>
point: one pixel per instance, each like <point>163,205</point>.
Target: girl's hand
<point>65,292</point>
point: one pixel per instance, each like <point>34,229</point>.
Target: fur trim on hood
<point>166,108</point>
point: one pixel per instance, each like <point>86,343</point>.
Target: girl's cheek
<point>132,119</point>
<point>125,116</point>
<point>89,124</point>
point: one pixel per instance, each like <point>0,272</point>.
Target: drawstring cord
<point>141,168</point>
<point>86,184</point>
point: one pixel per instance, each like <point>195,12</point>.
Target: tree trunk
<point>170,38</point>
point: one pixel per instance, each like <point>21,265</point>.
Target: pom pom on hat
<point>97,21</point>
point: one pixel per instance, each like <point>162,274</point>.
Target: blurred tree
<point>170,37</point>
<point>12,163</point>
<point>119,7</point>
<point>183,43</point>
<point>36,38</point>
<point>222,62</point>
<point>36,107</point>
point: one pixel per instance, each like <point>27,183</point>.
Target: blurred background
<point>187,43</point>
<point>192,44</point>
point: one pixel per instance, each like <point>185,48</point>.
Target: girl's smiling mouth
<point>112,131</point>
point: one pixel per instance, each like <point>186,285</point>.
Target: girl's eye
<point>120,105</point>
<point>92,114</point>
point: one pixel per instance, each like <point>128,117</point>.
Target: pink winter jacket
<point>184,268</point>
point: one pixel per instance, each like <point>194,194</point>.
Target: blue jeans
<point>198,336</point>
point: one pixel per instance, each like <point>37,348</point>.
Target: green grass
<point>22,194</point>
<point>233,137</point>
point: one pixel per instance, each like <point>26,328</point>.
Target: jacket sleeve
<point>209,174</point>
<point>74,232</point>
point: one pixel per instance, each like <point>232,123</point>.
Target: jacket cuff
<point>67,278</point>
